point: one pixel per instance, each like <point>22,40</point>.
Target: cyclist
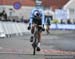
<point>36,19</point>
<point>48,24</point>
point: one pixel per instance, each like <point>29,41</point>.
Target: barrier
<point>63,26</point>
<point>2,34</point>
<point>14,28</point>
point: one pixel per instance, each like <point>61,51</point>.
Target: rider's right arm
<point>30,19</point>
<point>29,25</point>
<point>30,22</point>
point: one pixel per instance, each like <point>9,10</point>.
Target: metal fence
<point>13,28</point>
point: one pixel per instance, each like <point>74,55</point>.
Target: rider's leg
<point>47,29</point>
<point>39,40</point>
<point>39,36</point>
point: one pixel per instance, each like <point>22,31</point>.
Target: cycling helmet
<point>36,13</point>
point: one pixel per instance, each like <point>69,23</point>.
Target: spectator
<point>4,15</point>
<point>68,21</point>
<point>62,22</point>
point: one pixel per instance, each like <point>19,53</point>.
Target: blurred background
<point>61,12</point>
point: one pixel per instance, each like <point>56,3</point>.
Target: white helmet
<point>36,13</point>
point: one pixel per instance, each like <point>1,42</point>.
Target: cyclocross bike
<point>35,38</point>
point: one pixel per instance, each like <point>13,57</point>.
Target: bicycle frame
<point>35,39</point>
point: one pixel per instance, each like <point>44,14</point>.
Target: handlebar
<point>40,26</point>
<point>37,25</point>
<point>43,29</point>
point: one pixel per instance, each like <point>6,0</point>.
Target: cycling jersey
<point>32,19</point>
<point>37,20</point>
<point>48,20</point>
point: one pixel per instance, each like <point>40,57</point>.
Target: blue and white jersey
<point>33,13</point>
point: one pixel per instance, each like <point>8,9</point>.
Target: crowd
<point>5,17</point>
